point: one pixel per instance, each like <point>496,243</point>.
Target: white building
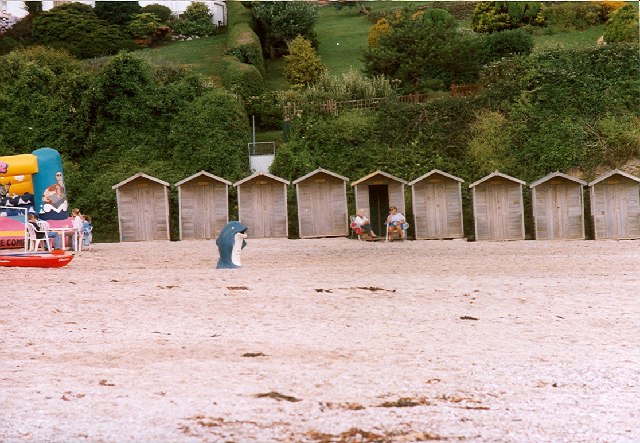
<point>217,7</point>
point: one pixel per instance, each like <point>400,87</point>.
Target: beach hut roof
<point>206,174</point>
<point>496,174</point>
<point>554,175</point>
<point>433,172</point>
<point>319,170</point>
<point>614,172</point>
<point>138,175</point>
<point>258,174</point>
<point>378,172</point>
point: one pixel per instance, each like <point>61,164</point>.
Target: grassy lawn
<point>566,40</point>
<point>201,55</point>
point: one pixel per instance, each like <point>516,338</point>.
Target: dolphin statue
<point>230,242</point>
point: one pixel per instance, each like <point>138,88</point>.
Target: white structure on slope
<point>217,7</point>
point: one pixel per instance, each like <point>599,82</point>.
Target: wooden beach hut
<point>558,207</point>
<point>437,206</point>
<point>615,206</point>
<point>322,204</point>
<point>375,193</point>
<point>262,205</point>
<point>498,207</point>
<point>203,201</point>
<point>143,208</point>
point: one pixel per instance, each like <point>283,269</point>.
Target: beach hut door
<point>378,207</point>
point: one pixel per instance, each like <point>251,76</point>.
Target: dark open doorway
<point>379,207</point>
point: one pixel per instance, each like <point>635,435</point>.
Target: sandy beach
<point>327,340</point>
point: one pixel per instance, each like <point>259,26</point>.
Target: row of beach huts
<point>557,202</point>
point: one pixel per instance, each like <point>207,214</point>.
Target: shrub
<point>568,16</point>
<point>507,43</point>
<point>351,85</point>
<point>381,27</point>
<point>75,28</point>
<point>490,142</point>
<point>118,13</point>
<point>211,134</point>
<point>241,78</point>
<point>282,22</point>
<point>194,28</point>
<point>424,51</point>
<point>622,26</point>
<point>302,66</point>
<point>498,16</point>
<point>267,110</point>
<point>162,12</point>
<point>146,28</point>
<point>195,22</point>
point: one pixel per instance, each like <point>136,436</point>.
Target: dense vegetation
<point>572,110</point>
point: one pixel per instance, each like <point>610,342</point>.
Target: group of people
<point>81,224</point>
<point>395,223</point>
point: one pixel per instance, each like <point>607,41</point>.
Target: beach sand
<point>327,340</point>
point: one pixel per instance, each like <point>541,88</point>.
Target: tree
<point>75,28</point>
<point>162,12</point>
<point>303,66</point>
<point>33,7</point>
<point>622,26</point>
<point>195,22</point>
<point>146,28</point>
<point>118,13</point>
<point>211,134</point>
<point>498,16</point>
<point>281,22</point>
<point>424,51</point>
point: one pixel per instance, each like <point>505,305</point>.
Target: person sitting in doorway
<point>361,221</point>
<point>395,223</point>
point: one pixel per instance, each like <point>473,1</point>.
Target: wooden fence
<point>334,107</point>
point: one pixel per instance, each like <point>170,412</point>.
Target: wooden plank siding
<point>262,207</point>
<point>396,194</point>
<point>204,208</point>
<point>558,210</point>
<point>322,206</point>
<point>437,208</point>
<point>143,211</point>
<point>498,210</point>
<point>615,207</point>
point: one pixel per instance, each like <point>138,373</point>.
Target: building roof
<point>496,174</point>
<point>554,175</point>
<point>206,174</point>
<point>614,172</point>
<point>435,172</point>
<point>138,175</point>
<point>258,174</point>
<point>318,171</point>
<point>378,172</point>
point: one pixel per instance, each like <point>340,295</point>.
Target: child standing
<point>87,228</point>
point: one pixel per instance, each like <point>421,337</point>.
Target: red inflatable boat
<point>36,260</point>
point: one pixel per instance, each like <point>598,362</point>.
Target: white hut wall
<point>558,210</point>
<point>499,214</point>
<point>203,208</point>
<point>263,208</point>
<point>616,208</point>
<point>322,206</point>
<point>437,209</point>
<point>143,211</point>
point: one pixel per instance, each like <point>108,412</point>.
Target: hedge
<point>244,44</point>
<point>241,78</point>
